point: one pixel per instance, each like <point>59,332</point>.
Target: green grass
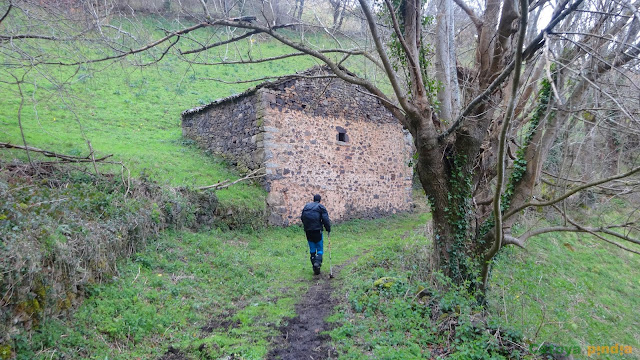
<point>244,285</point>
<point>384,317</point>
<point>382,322</point>
<point>166,294</point>
<point>570,290</point>
<point>134,112</point>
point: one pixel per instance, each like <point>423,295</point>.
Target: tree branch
<point>31,36</point>
<point>139,50</point>
<point>284,56</point>
<point>225,184</point>
<point>386,101</point>
<point>511,240</point>
<point>205,9</point>
<point>595,231</point>
<point>478,99</point>
<point>409,108</point>
<point>538,41</point>
<point>220,43</point>
<point>47,153</point>
<point>575,229</point>
<point>267,78</point>
<point>472,15</point>
<point>534,46</point>
<point>6,13</point>
<point>566,195</point>
<point>396,28</point>
<point>502,143</point>
<point>335,68</point>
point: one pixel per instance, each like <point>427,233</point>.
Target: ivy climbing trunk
<point>446,177</point>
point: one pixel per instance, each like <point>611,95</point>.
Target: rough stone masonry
<point>312,135</point>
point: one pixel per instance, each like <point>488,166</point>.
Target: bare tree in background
<point>299,9</point>
<point>339,7</point>
<point>497,104</point>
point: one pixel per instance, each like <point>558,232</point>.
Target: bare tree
<point>299,9</point>
<point>484,117</point>
<point>339,7</point>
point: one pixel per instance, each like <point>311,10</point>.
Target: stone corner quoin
<point>312,136</point>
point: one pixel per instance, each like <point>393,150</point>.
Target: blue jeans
<point>315,248</point>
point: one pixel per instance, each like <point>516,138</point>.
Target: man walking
<point>314,217</point>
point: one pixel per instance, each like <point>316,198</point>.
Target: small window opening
<point>342,137</point>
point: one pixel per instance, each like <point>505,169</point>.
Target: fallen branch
<point>46,202</point>
<point>226,183</point>
<point>64,158</point>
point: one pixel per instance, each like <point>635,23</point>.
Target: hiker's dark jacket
<point>314,216</point>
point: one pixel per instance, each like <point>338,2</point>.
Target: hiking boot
<point>318,261</point>
<point>314,260</point>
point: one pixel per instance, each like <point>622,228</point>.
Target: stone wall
<point>228,128</point>
<point>313,136</point>
<point>330,138</point>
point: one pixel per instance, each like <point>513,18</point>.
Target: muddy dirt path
<point>302,337</point>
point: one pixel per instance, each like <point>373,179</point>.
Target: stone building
<point>312,134</point>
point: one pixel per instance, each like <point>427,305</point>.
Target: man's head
<point>317,198</point>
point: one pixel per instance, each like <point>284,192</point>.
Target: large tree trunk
<point>445,171</point>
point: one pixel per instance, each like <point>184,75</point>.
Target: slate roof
<point>267,84</point>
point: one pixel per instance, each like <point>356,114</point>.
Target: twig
<point>267,78</point>
<point>47,153</point>
<point>206,10</point>
<point>225,184</point>
<point>566,195</point>
<point>136,278</point>
<point>594,232</point>
<point>502,144</point>
<point>93,158</point>
<point>204,48</point>
<point>135,51</point>
<point>46,202</point>
<point>24,141</point>
<point>544,313</point>
<point>128,182</point>
<point>6,13</point>
<point>214,186</point>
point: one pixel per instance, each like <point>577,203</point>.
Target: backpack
<point>310,215</point>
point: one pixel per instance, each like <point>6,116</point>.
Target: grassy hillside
<point>134,112</point>
<point>571,291</point>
